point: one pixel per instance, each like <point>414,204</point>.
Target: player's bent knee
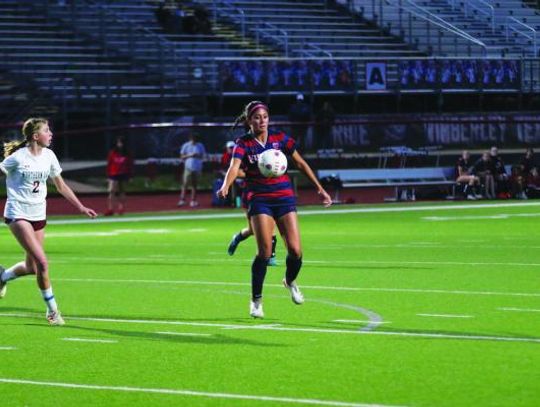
<point>42,265</point>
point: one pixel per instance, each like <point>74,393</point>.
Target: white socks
<point>48,297</point>
<point>9,274</point>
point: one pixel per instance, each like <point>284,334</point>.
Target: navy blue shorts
<point>274,209</point>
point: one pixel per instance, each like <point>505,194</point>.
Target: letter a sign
<point>376,76</point>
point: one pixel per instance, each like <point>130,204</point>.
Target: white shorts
<point>20,210</point>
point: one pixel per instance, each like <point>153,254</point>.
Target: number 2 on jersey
<point>36,187</point>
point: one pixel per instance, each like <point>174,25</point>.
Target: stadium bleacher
<point>75,70</point>
<point>329,31</point>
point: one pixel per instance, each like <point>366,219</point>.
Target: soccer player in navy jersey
<point>270,200</point>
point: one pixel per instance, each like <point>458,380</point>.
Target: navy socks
<point>293,268</point>
<point>258,272</point>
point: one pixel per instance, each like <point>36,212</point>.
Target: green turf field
<point>430,307</point>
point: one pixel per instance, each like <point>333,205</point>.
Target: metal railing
<point>437,20</point>
<point>272,32</point>
<point>512,24</point>
<point>471,7</point>
<point>418,26</point>
<point>310,50</point>
<point>234,13</point>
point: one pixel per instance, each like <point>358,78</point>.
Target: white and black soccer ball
<point>272,163</point>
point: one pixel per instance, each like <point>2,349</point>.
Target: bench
<point>404,180</point>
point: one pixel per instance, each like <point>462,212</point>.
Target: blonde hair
<point>29,128</point>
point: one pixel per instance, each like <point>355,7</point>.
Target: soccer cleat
<point>256,309</point>
<point>181,202</point>
<point>471,197</point>
<point>3,286</point>
<point>272,261</point>
<point>233,245</point>
<point>55,318</point>
<point>194,204</point>
<point>296,295</point>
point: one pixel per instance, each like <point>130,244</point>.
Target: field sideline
<point>406,305</point>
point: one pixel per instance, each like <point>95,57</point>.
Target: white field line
<point>434,335</point>
<point>358,263</point>
<point>89,340</point>
<point>518,309</point>
<point>8,348</point>
<point>181,333</point>
<point>253,326</point>
<point>306,212</point>
<point>309,287</point>
<point>193,393</point>
<point>480,217</point>
<point>358,321</point>
<point>445,316</point>
<point>117,232</point>
<point>411,246</point>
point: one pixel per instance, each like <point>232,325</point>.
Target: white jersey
<point>26,181</point>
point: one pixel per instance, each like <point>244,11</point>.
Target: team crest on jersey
<point>275,146</point>
<point>253,158</point>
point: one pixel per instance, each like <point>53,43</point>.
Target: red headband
<point>257,106</point>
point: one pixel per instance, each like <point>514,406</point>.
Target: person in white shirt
<point>192,153</point>
<point>27,166</point>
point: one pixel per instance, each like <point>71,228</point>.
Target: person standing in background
<point>300,112</point>
<point>119,172</point>
<point>192,153</point>
<point>325,120</point>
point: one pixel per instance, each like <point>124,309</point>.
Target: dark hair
<point>248,110</point>
<point>122,150</point>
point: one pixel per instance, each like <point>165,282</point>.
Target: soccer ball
<point>272,163</point>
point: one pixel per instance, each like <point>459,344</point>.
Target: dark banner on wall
<point>443,130</point>
<point>359,133</point>
<point>457,74</point>
<point>347,76</point>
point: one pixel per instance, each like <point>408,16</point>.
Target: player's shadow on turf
<point>456,335</point>
<point>225,320</point>
<point>21,309</point>
<point>213,339</point>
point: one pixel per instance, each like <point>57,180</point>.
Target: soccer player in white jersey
<point>27,166</point>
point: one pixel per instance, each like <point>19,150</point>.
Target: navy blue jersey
<point>259,187</point>
<point>465,166</point>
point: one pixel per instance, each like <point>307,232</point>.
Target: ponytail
<point>29,128</point>
<point>241,119</point>
<point>12,146</point>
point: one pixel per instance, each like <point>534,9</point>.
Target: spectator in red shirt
<point>226,157</point>
<point>119,171</point>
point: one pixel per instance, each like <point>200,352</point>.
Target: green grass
<point>176,274</point>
